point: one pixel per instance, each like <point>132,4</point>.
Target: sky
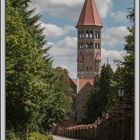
<point>59,17</point>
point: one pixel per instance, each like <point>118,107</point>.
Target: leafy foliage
<point>113,92</point>
<point>128,66</point>
<point>129,63</point>
<point>31,21</point>
<point>124,74</point>
<point>36,96</point>
<point>10,135</point>
<point>98,98</point>
<point>38,136</point>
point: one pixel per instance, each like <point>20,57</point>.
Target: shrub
<point>10,135</point>
<point>37,136</point>
<point>50,137</point>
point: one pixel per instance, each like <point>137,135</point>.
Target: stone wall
<point>86,132</point>
<point>118,125</point>
<point>81,100</point>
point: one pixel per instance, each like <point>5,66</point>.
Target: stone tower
<point>89,41</point>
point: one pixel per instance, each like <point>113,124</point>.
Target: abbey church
<point>88,55</point>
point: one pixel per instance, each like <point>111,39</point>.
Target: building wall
<point>81,101</point>
<point>86,56</point>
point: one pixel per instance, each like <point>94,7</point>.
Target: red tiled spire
<point>89,14</point>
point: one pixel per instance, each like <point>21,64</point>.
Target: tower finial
<point>89,15</point>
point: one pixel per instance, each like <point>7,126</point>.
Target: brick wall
<point>118,125</point>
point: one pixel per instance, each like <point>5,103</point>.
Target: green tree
<point>24,83</point>
<point>113,91</point>
<point>129,63</point>
<point>31,20</point>
<point>58,103</point>
<point>36,97</point>
<point>124,74</point>
<point>104,85</point>
<point>98,98</point>
<point>92,103</point>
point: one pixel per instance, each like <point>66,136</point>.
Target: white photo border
<point>137,70</point>
<point>3,105</point>
<point>3,70</point>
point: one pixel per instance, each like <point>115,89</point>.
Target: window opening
<point>91,34</point>
<point>87,34</point>
<point>87,45</point>
<point>91,45</point>
<point>82,34</point>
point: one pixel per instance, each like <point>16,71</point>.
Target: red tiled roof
<point>83,82</point>
<point>89,14</point>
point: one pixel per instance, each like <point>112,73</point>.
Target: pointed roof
<point>89,14</point>
<point>83,82</point>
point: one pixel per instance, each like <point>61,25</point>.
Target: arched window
<point>91,45</point>
<point>98,34</point>
<point>82,46</point>
<point>87,34</point>
<point>96,46</point>
<point>91,34</point>
<point>80,36</point>
<point>87,45</point>
<point>86,68</point>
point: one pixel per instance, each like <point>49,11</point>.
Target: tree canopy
<point>36,96</point>
<point>129,63</point>
<point>98,97</point>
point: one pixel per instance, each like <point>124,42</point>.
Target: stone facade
<point>89,41</point>
<point>89,47</point>
<point>81,101</point>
